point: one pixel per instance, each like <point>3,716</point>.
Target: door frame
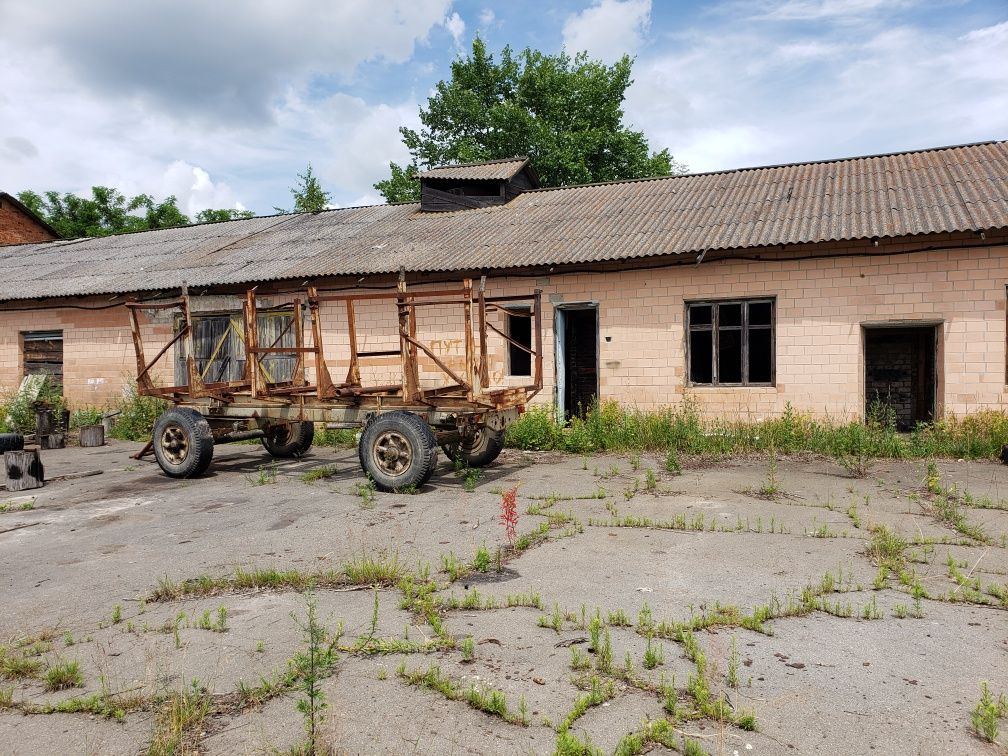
<point>560,356</point>
<point>938,379</point>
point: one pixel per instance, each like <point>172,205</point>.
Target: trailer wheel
<point>11,442</point>
<point>183,443</point>
<point>478,449</point>
<point>289,440</point>
<point>398,450</point>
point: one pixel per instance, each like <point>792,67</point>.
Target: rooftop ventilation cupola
<point>471,185</point>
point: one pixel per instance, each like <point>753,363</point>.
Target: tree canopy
<point>108,211</point>
<point>309,196</point>
<point>564,113</point>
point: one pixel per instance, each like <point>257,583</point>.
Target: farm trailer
<point>402,423</point>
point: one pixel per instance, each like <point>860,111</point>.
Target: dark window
<point>520,330</point>
<point>731,343</point>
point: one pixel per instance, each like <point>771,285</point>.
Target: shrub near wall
<point>611,427</point>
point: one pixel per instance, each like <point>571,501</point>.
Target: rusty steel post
<point>484,368</point>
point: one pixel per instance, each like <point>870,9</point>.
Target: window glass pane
<point>700,315</point>
<point>701,345</point>
<point>520,329</point>
<point>760,355</point>
<point>759,313</point>
<point>730,315</point>
<point>729,355</point>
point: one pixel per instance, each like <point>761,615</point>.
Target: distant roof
<point>491,170</point>
<point>942,190</point>
<point>5,197</point>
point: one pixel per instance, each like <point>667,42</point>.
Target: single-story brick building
<point>824,286</point>
<point>19,225</point>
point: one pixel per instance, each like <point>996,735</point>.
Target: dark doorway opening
<point>900,376</point>
<point>577,359</point>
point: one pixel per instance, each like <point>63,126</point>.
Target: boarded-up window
<point>42,353</point>
<point>219,347</point>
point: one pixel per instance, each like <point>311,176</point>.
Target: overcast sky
<point>222,103</point>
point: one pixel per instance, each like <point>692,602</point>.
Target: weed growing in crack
<point>650,480</point>
<point>117,614</point>
<point>598,693</point>
<point>987,713</point>
<point>265,476</point>
<point>533,600</point>
<point>871,610</point>
<point>481,562</point>
<point>63,674</point>
<point>509,515</point>
<point>319,473</point>
<point>311,666</point>
<point>771,487</point>
<point>603,654</point>
<point>672,464</point>
<point>579,660</point>
<point>366,492</point>
<point>618,618</point>
<point>490,700</point>
<point>654,654</point>
<point>179,720</point>
<point>733,664</point>
<point>468,649</point>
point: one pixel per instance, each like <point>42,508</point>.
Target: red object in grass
<point>509,515</point>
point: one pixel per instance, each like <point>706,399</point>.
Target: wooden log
<point>24,470</point>
<point>92,435</point>
<point>53,441</point>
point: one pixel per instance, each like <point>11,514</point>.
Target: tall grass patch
<point>682,428</point>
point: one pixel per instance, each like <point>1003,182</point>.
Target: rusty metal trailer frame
<point>245,408</point>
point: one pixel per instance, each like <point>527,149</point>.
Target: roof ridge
<point>515,159</point>
<point>771,166</point>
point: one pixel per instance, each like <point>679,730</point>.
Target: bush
<point>137,414</point>
<point>17,412</point>
<point>85,416</point>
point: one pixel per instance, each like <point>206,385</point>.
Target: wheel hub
<point>174,444</point>
<point>392,452</point>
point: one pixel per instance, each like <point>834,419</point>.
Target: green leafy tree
<point>565,113</point>
<point>216,216</point>
<point>309,196</point>
<point>108,211</point>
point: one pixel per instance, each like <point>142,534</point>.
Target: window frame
<point>512,312</point>
<point>714,328</point>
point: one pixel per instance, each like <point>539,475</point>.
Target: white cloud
<point>730,98</point>
<point>218,61</point>
<point>608,29</point>
<point>456,27</point>
<point>487,18</point>
<point>236,139</point>
<point>195,190</point>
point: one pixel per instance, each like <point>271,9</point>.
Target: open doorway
<point>900,373</point>
<point>576,359</point>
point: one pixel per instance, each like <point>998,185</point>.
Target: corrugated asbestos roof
<point>930,191</point>
<point>492,170</point>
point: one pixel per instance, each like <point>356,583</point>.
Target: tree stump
<point>53,441</point>
<point>45,422</point>
<point>92,435</point>
<point>24,470</point>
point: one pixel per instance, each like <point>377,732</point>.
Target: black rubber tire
<point>478,450</point>
<point>11,442</point>
<point>408,430</point>
<point>289,440</point>
<point>187,426</point>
